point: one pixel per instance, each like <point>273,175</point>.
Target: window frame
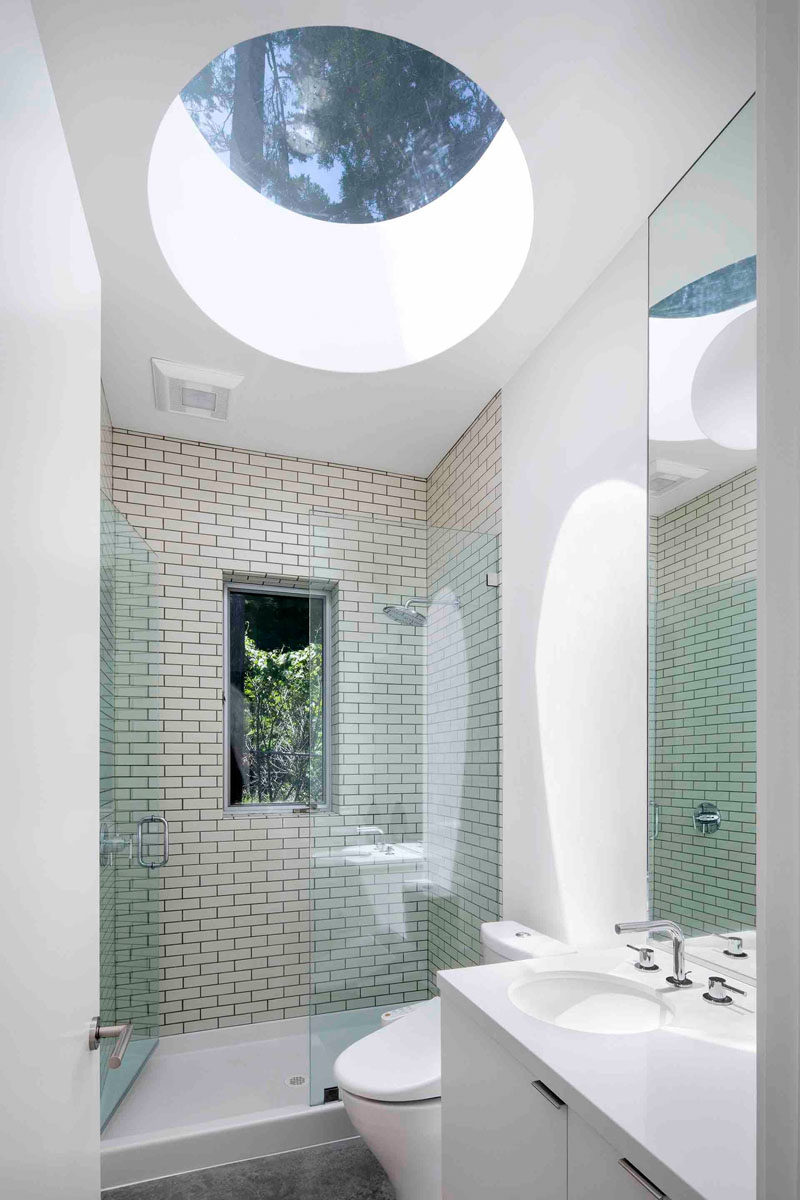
<point>268,589</point>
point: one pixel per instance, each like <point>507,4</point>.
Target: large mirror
<point>702,550</point>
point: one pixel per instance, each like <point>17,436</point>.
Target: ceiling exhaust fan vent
<point>193,391</point>
<point>665,476</point>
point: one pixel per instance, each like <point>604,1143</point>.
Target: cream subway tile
<point>237,890</point>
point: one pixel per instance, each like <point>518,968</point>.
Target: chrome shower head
<point>404,614</point>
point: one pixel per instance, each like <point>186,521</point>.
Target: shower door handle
<point>152,820</point>
<point>123,1034</point>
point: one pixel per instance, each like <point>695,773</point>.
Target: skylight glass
<point>341,124</point>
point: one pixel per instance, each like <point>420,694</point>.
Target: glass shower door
<point>133,844</point>
<point>405,836</point>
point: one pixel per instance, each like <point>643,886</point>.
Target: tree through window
<point>275,697</point>
<point>341,124</point>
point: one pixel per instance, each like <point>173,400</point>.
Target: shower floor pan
<point>221,1096</point>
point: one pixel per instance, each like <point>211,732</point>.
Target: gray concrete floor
<point>337,1171</point>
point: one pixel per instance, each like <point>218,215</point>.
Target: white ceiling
<point>717,462</point>
<point>706,223</point>
<point>611,103</point>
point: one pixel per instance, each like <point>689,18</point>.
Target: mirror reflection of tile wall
<point>702,556</point>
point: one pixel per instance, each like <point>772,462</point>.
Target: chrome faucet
<point>679,978</point>
<point>718,988</point>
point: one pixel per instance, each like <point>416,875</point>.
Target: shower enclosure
<point>378,873</point>
<point>405,839</point>
<point>130,836</point>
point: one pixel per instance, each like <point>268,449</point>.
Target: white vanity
<point>585,1078</point>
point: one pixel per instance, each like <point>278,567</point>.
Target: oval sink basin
<point>590,1002</point>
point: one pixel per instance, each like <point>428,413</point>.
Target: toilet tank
<point>505,941</point>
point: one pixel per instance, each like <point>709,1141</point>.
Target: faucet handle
<point>645,962</point>
<point>735,947</point>
<point>718,989</point>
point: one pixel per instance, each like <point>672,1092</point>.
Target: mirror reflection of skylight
<point>341,124</point>
<point>729,287</point>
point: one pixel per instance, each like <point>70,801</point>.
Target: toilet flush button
<point>395,1014</point>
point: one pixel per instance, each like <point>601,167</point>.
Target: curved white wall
<point>589,667</point>
<point>575,616</point>
<point>335,296</point>
<point>676,347</point>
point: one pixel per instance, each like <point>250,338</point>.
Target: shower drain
<point>296,1080</point>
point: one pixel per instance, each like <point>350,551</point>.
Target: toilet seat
<point>400,1063</point>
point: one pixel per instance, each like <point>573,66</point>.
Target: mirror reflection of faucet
<point>735,947</point>
<point>382,846</point>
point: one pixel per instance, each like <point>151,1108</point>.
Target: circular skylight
<point>340,199</point>
<point>341,124</point>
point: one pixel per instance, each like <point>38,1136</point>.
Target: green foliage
<point>283,724</point>
<point>342,124</point>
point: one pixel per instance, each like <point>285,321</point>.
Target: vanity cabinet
<point>507,1135</point>
<point>502,1137</point>
<point>596,1172</point>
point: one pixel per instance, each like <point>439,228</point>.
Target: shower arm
<point>427,601</point>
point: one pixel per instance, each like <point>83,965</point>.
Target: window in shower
<point>276,648</point>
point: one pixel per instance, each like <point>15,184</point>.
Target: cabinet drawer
<point>504,1133</point>
<point>596,1173</point>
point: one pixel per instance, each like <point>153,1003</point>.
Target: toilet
<point>391,1081</point>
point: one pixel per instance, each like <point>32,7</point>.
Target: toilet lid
<point>402,1061</point>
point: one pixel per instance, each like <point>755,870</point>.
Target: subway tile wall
<point>369,914</point>
<point>137,793</point>
<point>235,895</point>
<point>108,997</point>
<point>129,737</point>
<point>237,939</point>
<point>463,695</point>
<point>703,728</point>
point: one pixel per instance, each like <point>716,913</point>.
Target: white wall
<point>575,615</point>
<point>778,893</point>
<point>49,552</point>
<point>710,219</point>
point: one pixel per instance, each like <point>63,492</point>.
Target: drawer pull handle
<point>545,1091</point>
<point>649,1187</point>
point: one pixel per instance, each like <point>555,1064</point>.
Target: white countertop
<point>683,1096</point>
